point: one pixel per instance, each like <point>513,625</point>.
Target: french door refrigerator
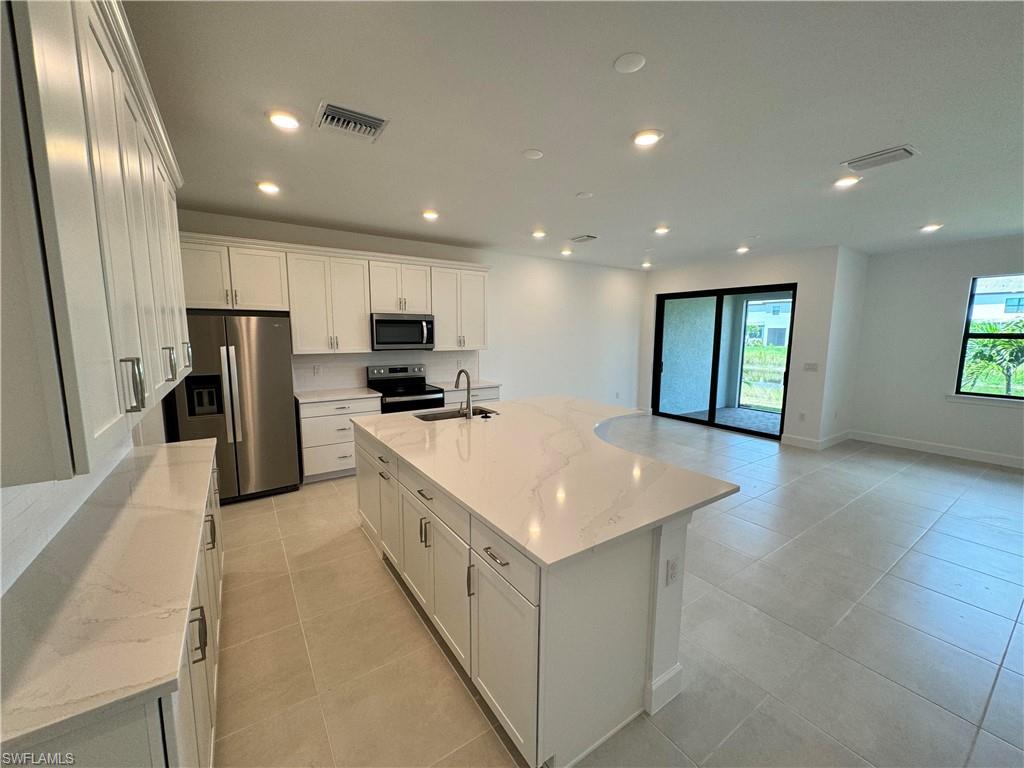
<point>240,392</point>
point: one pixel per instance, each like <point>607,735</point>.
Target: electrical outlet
<point>803,416</point>
<point>458,364</point>
<point>813,367</point>
<point>616,395</point>
<point>316,370</point>
<point>671,570</point>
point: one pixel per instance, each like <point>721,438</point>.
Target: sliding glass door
<point>722,357</point>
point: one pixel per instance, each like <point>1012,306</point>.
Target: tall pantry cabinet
<point>96,310</point>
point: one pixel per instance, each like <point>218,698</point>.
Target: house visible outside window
<point>776,309</point>
<point>992,353</point>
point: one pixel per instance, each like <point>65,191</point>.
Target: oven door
<point>398,403</point>
<point>392,331</point>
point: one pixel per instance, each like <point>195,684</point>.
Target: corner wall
<point>838,411</point>
<point>914,311</point>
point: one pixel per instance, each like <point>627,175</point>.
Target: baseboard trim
<point>815,445</point>
<point>664,688</point>
<point>958,452</point>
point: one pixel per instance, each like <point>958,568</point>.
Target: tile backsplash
<point>342,371</point>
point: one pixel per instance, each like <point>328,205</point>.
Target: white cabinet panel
<point>416,549</point>
<point>416,288</point>
<point>450,570</point>
<point>259,279</point>
<point>385,286</point>
<point>444,287</point>
<point>309,286</point>
<point>327,430</point>
<point>390,517</point>
<point>368,485</point>
<point>473,309</point>
<point>350,304</point>
<point>172,275</point>
<point>328,458</point>
<point>504,663</point>
<point>207,275</point>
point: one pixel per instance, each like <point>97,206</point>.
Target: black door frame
<point>719,294</point>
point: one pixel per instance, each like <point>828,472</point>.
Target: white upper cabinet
<point>207,275</point>
<point>259,279</point>
<point>397,287</point>
<point>460,308</point>
<point>309,287</point>
<point>350,303</point>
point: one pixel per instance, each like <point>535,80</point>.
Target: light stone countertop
<point>540,474</point>
<point>449,386</point>
<point>327,395</point>
<point>99,617</point>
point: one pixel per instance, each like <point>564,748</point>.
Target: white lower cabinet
<point>505,653</point>
<point>415,566</point>
<point>327,435</point>
<point>390,517</point>
<point>452,586</point>
<point>368,486</point>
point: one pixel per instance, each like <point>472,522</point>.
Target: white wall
<point>914,313</point>
<point>813,271</point>
<point>838,410</point>
<point>555,327</point>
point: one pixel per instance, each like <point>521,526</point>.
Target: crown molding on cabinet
<point>226,240</point>
<point>111,13</point>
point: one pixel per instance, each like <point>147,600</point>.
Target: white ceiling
<point>760,102</point>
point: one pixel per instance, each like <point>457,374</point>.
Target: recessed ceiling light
<point>661,230</point>
<point>628,63</point>
<point>584,195</point>
<point>532,154</point>
<point>742,249</point>
<point>567,251</point>
<point>539,234</point>
<point>286,121</point>
<point>646,265</point>
<point>846,182</point>
<point>430,214</point>
<point>268,188</point>
<point>929,228</point>
<point>648,137</point>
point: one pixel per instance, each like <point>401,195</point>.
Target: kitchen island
<point>549,560</point>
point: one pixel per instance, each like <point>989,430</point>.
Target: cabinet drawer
<point>328,458</point>
<point>458,396</point>
<point>516,568</point>
<point>334,407</point>
<point>433,498</point>
<point>378,451</point>
<point>326,430</point>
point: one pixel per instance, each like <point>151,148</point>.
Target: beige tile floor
<point>854,606</point>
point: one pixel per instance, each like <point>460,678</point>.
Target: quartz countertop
<point>99,617</point>
<point>540,474</point>
<point>449,385</point>
<point>327,395</point>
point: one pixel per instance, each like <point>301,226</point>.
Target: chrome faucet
<point>468,407</point>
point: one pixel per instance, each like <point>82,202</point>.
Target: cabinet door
<point>416,288</point>
<point>444,291</point>
<point>390,518</point>
<point>199,667</point>
<point>416,538</point>
<point>309,286</point>
<point>450,607</point>
<point>186,747</point>
<point>100,77</point>
<point>184,345</point>
<point>385,286</point>
<point>259,279</point>
<point>505,654</point>
<point>473,309</point>
<point>350,304</point>
<point>368,486</point>
<point>172,275</point>
<point>207,275</point>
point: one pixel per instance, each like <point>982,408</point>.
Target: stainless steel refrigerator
<point>240,392</point>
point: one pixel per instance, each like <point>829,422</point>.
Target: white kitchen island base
<point>549,561</point>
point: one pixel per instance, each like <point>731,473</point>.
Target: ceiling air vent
<point>583,238</point>
<point>883,157</point>
<point>353,123</point>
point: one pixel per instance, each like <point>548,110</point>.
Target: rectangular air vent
<point>883,157</point>
<point>583,238</point>
<point>353,123</point>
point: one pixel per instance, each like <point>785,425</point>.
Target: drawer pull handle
<point>346,456</point>
<point>383,460</point>
<point>425,497</point>
<point>342,407</point>
<point>343,429</point>
<point>494,557</point>
<point>383,476</point>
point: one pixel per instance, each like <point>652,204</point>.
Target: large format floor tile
<point>294,738</point>
<point>1005,716</point>
<point>841,575</point>
<point>638,745</point>
<point>994,562</point>
<point>970,586</point>
<point>256,609</point>
<point>340,582</point>
<point>711,561</point>
<point>992,752</point>
<point>245,565</point>
<point>485,751</point>
<point>742,536</point>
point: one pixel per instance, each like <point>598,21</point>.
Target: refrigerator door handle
<point>225,378</point>
<point>236,408</point>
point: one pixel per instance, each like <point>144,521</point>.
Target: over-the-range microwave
<point>395,331</point>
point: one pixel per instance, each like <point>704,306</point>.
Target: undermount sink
<point>456,414</point>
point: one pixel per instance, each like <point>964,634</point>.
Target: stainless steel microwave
<point>394,331</point>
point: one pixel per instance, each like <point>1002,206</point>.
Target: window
<point>992,354</point>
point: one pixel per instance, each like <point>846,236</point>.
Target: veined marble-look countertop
<point>540,474</point>
<point>449,385</point>
<point>100,616</point>
<point>327,395</point>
